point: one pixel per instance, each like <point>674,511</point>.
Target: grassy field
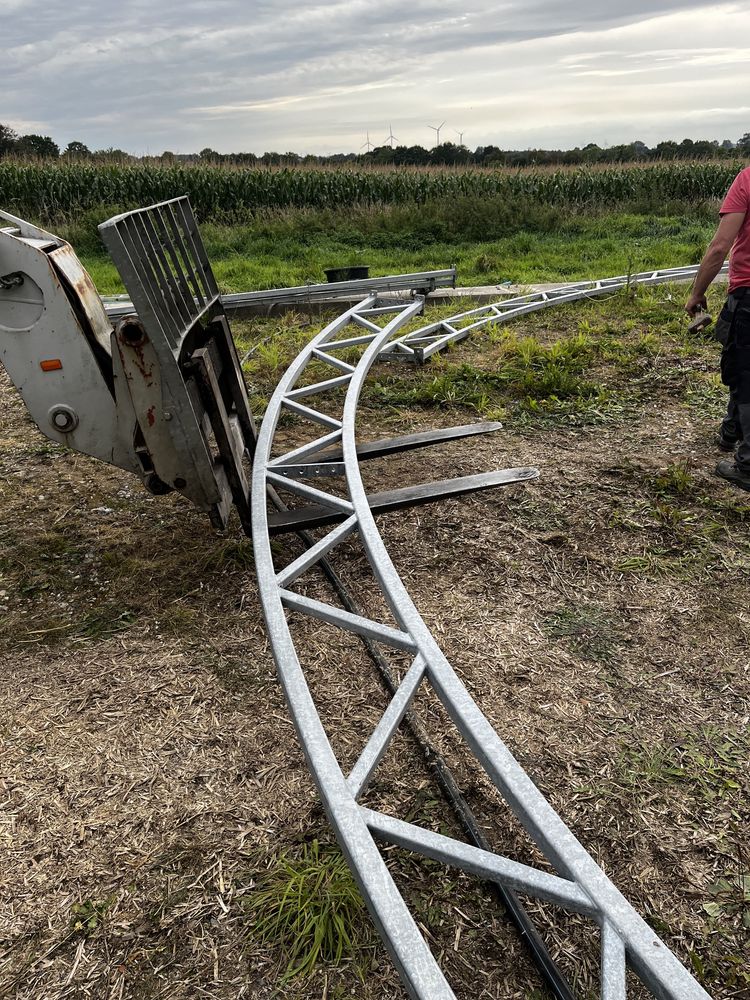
<point>158,810</point>
<point>488,243</point>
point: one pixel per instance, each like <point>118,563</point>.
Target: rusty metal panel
<point>48,347</point>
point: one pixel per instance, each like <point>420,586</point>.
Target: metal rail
<point>419,345</point>
<point>580,886</point>
<point>422,281</point>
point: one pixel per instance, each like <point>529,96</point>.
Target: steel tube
<point>663,974</point>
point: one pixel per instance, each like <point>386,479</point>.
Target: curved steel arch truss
<point>419,345</point>
<point>580,886</point>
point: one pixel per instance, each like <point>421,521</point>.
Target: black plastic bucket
<point>347,273</point>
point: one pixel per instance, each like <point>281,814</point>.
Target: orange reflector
<point>53,365</point>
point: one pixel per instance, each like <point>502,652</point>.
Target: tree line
<point>446,154</point>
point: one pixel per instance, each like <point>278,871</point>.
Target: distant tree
<point>112,154</point>
<point>244,159</point>
<point>416,155</point>
<point>380,155</point>
<point>449,153</point>
<point>687,149</point>
<point>666,150</point>
<point>640,150</point>
<point>488,154</point>
<point>77,151</point>
<point>210,155</point>
<point>495,157</point>
<point>167,156</point>
<point>591,153</point>
<point>703,149</point>
<point>8,140</point>
<point>38,145</point>
<point>743,144</point>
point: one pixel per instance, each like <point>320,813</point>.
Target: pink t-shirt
<point>738,200</point>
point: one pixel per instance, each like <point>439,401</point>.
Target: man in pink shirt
<point>733,325</point>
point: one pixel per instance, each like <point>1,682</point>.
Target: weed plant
<point>309,909</point>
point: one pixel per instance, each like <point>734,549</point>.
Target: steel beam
<point>239,302</point>
<point>321,515</point>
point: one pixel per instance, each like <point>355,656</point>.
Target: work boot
<point>728,470</point>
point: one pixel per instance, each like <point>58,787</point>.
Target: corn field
<point>51,191</point>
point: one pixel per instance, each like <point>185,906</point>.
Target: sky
<point>152,75</point>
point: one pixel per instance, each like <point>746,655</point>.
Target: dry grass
<point>150,774</point>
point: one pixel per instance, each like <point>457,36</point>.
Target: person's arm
<point>721,244</point>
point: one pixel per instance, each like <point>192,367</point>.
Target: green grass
<point>294,247</point>
<point>308,909</point>
<point>231,554</point>
<point>710,764</point>
<point>622,350</point>
<point>587,630</point>
<point>86,916</point>
<point>534,374</point>
<point>675,479</point>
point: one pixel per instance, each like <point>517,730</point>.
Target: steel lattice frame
<point>419,345</point>
<point>581,886</point>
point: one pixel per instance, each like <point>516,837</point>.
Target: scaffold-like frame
<point>579,885</point>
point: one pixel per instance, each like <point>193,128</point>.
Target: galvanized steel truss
<point>418,345</point>
<point>580,886</point>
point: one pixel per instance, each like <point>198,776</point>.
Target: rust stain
<point>150,416</point>
<point>80,282</point>
<point>144,367</point>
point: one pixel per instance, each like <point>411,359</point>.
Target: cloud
<point>149,75</point>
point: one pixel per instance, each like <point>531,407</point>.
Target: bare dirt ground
<point>149,771</point>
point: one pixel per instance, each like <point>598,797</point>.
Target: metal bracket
<point>408,442</point>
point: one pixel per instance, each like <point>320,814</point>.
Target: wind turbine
<point>368,144</point>
<point>460,137</point>
<point>391,137</point>
<point>436,128</point>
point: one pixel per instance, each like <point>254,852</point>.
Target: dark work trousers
<point>733,330</point>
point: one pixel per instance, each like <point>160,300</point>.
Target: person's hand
<point>696,303</point>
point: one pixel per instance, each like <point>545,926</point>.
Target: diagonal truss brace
<point>577,884</point>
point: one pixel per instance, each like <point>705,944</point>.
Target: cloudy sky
<point>150,75</point>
